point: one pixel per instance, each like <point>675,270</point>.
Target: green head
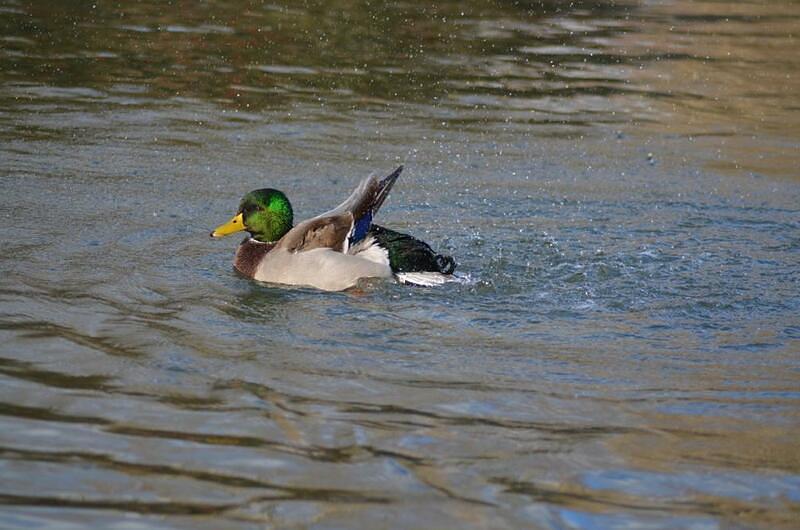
<point>265,213</point>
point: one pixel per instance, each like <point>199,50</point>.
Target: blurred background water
<point>618,181</point>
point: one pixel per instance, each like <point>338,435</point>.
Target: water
<point>618,181</point>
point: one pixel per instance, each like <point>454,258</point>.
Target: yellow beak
<point>231,227</point>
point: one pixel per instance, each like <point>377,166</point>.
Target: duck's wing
<point>320,232</point>
<point>368,195</point>
<point>346,224</point>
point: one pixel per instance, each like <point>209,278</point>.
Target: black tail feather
<point>446,264</point>
<point>408,254</point>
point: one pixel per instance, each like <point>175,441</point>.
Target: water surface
<point>617,180</point>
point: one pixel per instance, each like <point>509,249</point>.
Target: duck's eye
<point>247,210</point>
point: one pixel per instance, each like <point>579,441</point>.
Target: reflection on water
<point>617,179</point>
<point>698,69</point>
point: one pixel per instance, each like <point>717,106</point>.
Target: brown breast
<point>249,255</point>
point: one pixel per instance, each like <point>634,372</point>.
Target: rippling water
<point>618,181</point>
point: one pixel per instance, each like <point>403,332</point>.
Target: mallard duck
<point>334,250</point>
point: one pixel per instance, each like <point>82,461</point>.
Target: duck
<point>333,250</point>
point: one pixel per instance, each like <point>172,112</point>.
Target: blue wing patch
<point>361,227</point>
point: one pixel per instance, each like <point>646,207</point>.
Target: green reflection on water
<point>701,70</point>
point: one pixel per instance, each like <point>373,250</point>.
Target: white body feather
<point>325,268</point>
<point>424,278</point>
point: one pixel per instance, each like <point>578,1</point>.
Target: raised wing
<point>368,196</point>
<point>346,224</point>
